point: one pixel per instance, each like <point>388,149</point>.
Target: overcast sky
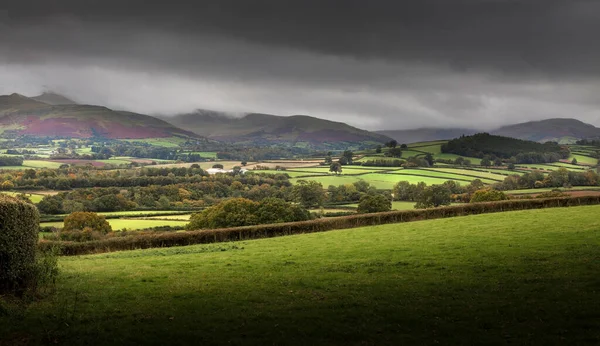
<point>374,64</point>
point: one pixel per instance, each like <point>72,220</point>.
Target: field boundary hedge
<point>312,226</point>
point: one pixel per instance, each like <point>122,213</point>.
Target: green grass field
<point>169,142</point>
<point>442,175</point>
<point>383,181</point>
<point>28,164</point>
<point>447,156</point>
<point>585,160</point>
<point>131,224</point>
<point>396,205</point>
<point>521,278</point>
<point>472,173</point>
<point>35,198</point>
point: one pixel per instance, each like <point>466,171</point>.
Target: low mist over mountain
<point>426,134</point>
<point>21,115</point>
<point>556,130</point>
<point>54,99</point>
<point>266,129</point>
<point>560,130</point>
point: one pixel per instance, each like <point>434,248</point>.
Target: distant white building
<point>220,170</point>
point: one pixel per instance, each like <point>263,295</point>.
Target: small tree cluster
<point>244,212</point>
<point>81,220</point>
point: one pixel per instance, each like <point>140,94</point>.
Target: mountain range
<point>267,129</point>
<point>48,115</point>
<point>52,114</point>
<point>561,130</point>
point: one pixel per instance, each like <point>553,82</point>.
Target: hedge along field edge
<point>320,225</point>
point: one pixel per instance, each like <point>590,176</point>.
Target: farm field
<point>470,172</point>
<point>292,174</point>
<point>35,198</point>
<point>586,160</point>
<point>527,277</point>
<point>430,172</point>
<point>182,217</point>
<point>131,224</point>
<point>447,156</point>
<point>396,205</point>
<point>383,181</point>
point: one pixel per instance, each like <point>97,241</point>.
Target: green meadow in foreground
<point>526,277</point>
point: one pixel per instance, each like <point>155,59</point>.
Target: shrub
<point>19,225</point>
<point>488,195</point>
<point>374,203</point>
<point>81,220</point>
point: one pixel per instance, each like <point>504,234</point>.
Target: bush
<point>81,220</point>
<point>488,195</point>
<point>19,225</point>
<point>374,203</point>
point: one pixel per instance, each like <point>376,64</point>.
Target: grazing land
<point>525,277</point>
<point>132,224</point>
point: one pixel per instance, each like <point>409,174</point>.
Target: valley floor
<point>526,277</point>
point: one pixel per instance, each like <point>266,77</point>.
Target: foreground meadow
<point>526,277</point>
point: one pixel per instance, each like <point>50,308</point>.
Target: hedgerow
<point>318,225</point>
<point>19,225</point>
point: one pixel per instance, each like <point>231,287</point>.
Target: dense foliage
<point>19,224</point>
<point>11,161</point>
<point>374,203</point>
<point>519,151</point>
<point>79,221</point>
<point>560,177</point>
<point>244,212</point>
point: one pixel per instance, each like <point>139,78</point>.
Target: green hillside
<point>266,129</point>
<point>20,115</point>
<point>526,277</point>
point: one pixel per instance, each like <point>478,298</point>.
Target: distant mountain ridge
<point>267,129</point>
<point>54,99</point>
<point>22,115</point>
<point>426,134</point>
<point>562,130</point>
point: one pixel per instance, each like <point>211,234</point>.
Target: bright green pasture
<point>182,217</point>
<point>426,144</point>
<point>436,174</point>
<point>448,156</point>
<point>469,172</point>
<point>132,224</point>
<point>35,198</point>
<point>433,148</point>
<point>41,164</point>
<point>586,160</point>
<point>292,174</point>
<point>382,181</point>
<point>396,205</point>
<point>521,278</point>
<point>169,142</point>
<point>133,213</point>
<point>115,161</point>
<point>206,154</point>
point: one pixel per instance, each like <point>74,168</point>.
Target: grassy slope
<point>519,277</point>
<point>131,224</point>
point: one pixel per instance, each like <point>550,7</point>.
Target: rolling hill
<point>562,130</point>
<point>557,130</point>
<point>54,99</point>
<point>21,115</point>
<point>266,129</point>
<point>426,134</point>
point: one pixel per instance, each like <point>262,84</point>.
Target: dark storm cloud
<point>372,63</point>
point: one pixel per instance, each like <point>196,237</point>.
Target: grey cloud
<point>375,64</point>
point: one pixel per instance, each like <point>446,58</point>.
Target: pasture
<point>131,224</point>
<point>526,277</point>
